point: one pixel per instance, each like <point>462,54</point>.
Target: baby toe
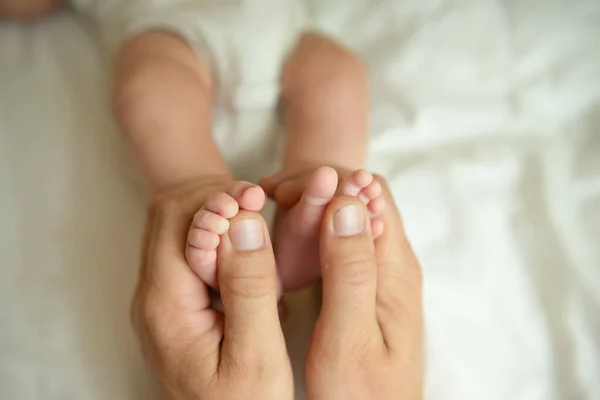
<point>372,190</point>
<point>204,264</point>
<point>321,187</point>
<point>211,222</point>
<point>223,204</point>
<point>250,197</point>
<point>200,257</point>
<point>203,239</point>
<point>377,227</point>
<point>358,180</point>
<point>362,178</point>
<point>376,206</point>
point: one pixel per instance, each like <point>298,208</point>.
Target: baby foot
<point>212,220</point>
<point>297,229</point>
<point>363,185</point>
<point>296,242</point>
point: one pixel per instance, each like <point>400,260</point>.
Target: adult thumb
<point>248,285</point>
<point>348,264</point>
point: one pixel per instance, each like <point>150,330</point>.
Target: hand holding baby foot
<point>368,340</point>
<point>302,198</point>
<point>195,351</point>
<point>212,220</point>
<point>363,185</point>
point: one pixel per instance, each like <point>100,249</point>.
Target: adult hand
<point>195,351</point>
<point>368,342</point>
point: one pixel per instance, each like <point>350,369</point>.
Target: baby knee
<point>319,61</point>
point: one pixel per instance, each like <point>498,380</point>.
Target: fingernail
<point>349,220</point>
<point>247,235</point>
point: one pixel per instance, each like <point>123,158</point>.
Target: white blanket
<point>485,119</point>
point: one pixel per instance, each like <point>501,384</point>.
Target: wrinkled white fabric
<point>216,30</point>
<point>485,119</point>
<point>244,42</point>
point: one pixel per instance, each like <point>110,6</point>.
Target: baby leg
<point>325,96</point>
<point>324,93</point>
<point>163,101</point>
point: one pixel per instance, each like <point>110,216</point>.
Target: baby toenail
<point>349,220</point>
<point>247,235</point>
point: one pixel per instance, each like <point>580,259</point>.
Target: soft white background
<point>486,120</point>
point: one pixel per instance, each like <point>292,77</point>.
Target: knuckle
<point>250,358</point>
<point>147,317</point>
<point>245,366</point>
<point>248,285</point>
<point>149,310</point>
<point>351,353</point>
<point>352,269</point>
<point>363,345</point>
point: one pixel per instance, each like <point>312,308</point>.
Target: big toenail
<point>247,235</point>
<point>349,220</point>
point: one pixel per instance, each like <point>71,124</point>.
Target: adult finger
<point>171,307</point>
<point>348,265</point>
<point>285,188</point>
<point>399,288</point>
<point>165,267</point>
<point>248,285</point>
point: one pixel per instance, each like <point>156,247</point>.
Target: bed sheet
<point>485,119</point>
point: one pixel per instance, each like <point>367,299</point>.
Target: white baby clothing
<point>220,31</point>
<point>245,43</point>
